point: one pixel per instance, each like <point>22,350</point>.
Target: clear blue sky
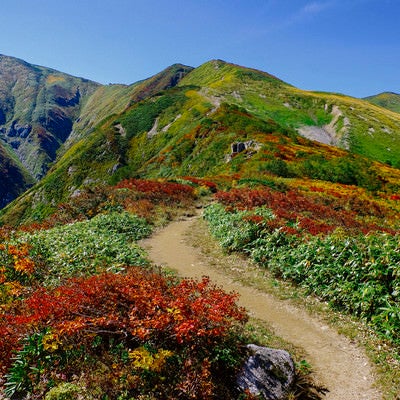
<point>346,46</point>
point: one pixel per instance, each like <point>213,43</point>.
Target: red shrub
<point>139,306</point>
<point>158,191</point>
<point>314,213</point>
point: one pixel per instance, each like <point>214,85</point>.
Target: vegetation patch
<point>318,248</point>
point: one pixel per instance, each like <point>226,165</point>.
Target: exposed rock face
<point>64,99</point>
<point>16,130</point>
<point>13,179</point>
<point>239,147</point>
<point>268,373</point>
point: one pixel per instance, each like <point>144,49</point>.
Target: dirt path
<point>340,365</point>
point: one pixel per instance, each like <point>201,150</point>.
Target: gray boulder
<point>268,373</point>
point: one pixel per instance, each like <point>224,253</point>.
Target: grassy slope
<point>373,131</point>
<point>114,99</point>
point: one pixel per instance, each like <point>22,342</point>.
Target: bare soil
<point>339,364</point>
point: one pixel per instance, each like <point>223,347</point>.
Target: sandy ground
<point>339,364</point>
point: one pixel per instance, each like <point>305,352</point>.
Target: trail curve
<point>340,365</point>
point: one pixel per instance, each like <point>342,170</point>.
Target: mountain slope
<point>14,177</point>
<point>331,118</point>
<point>114,99</point>
<point>219,119</point>
<point>388,100</point>
<point>42,109</point>
<point>38,107</point>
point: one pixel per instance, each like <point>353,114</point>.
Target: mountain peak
<point>213,71</point>
<point>389,100</point>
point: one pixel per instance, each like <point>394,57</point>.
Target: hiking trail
<point>339,364</point>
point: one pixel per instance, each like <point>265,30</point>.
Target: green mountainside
<point>114,99</point>
<point>217,119</point>
<point>388,100</point>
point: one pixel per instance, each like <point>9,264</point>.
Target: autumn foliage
<point>338,242</point>
<point>16,270</point>
<point>130,325</point>
<point>314,214</point>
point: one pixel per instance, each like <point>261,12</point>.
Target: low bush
<point>358,274</point>
<point>88,247</point>
<point>46,257</point>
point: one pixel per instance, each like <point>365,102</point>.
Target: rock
<point>64,99</point>
<point>58,123</point>
<point>238,147</point>
<point>268,373</point>
<point>114,168</point>
<point>3,118</point>
<point>16,130</point>
<point>14,144</point>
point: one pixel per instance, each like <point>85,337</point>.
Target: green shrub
<point>106,242</point>
<point>359,275</point>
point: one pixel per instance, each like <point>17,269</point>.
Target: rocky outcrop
<point>65,100</point>
<point>14,180</point>
<point>268,373</point>
<point>58,123</point>
<point>239,147</point>
<point>15,133</point>
<point>17,130</point>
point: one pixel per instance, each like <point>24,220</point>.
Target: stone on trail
<point>268,373</point>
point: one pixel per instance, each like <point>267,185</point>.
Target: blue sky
<point>346,46</point>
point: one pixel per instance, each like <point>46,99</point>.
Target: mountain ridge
<point>41,110</point>
<point>38,106</point>
<point>185,121</point>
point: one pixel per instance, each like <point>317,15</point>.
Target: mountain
<point>219,119</point>
<point>41,109</point>
<point>388,100</point>
<point>114,99</point>
<point>38,107</point>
